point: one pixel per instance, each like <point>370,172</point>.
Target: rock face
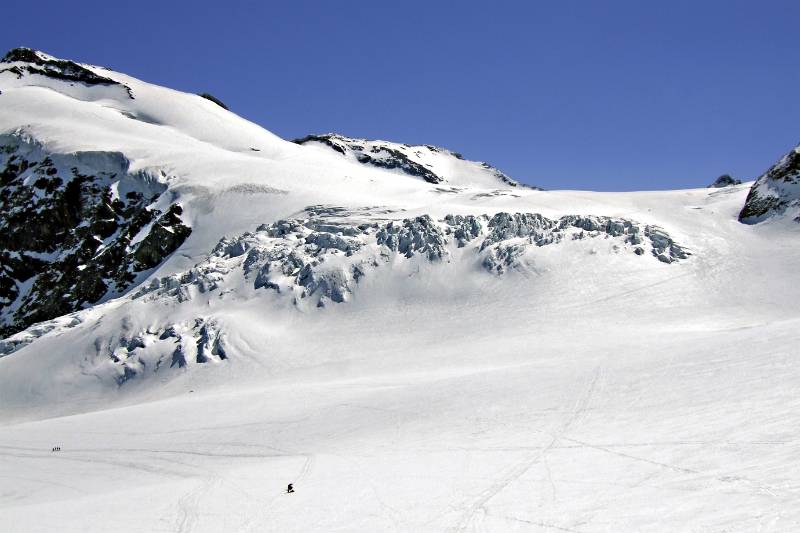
<point>212,98</point>
<point>23,62</point>
<point>776,192</point>
<point>321,259</point>
<point>75,228</point>
<point>724,181</point>
<point>415,160</point>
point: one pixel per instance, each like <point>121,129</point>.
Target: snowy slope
<point>464,355</point>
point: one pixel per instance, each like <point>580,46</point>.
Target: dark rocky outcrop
<point>25,61</point>
<point>212,98</point>
<point>166,234</point>
<point>409,159</point>
<point>381,156</point>
<point>74,229</point>
<point>776,192</point>
<point>726,180</point>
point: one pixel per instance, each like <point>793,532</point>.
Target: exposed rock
<point>166,234</point>
<point>724,181</point>
<point>776,192</point>
<point>217,101</point>
<point>25,61</point>
<point>74,228</point>
<point>414,160</point>
<point>381,155</point>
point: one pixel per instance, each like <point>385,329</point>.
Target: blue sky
<point>605,95</point>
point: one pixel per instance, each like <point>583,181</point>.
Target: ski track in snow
<point>574,415</point>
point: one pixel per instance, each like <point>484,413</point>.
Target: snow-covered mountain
<point>198,312</point>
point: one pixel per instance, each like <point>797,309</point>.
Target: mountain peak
<point>27,55</point>
<point>29,62</point>
<point>726,180</point>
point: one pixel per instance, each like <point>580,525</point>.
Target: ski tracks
<point>251,525</point>
<point>477,509</point>
<point>307,466</point>
<point>189,505</point>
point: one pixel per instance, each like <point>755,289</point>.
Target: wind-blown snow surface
<point>583,386</point>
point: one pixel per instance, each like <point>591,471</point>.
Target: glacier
<point>415,341</point>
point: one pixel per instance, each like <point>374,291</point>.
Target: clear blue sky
<point>605,95</point>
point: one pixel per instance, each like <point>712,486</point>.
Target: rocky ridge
<point>414,160</point>
<point>24,62</point>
